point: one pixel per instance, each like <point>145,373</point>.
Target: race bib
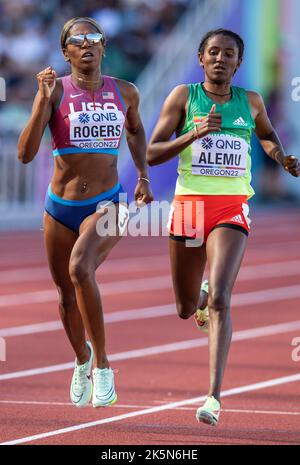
<point>220,155</point>
<point>96,129</point>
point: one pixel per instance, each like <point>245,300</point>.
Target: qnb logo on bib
<point>220,155</point>
<point>96,129</point>
<point>207,143</point>
<point>84,118</point>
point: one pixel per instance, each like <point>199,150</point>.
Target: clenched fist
<point>46,81</point>
<point>292,165</point>
<point>212,123</point>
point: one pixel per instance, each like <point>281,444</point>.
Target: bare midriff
<point>80,176</point>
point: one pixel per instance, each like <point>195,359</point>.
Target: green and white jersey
<point>219,163</point>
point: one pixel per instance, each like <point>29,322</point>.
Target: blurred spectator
<point>29,41</point>
<point>272,186</point>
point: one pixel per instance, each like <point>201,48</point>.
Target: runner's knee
<point>219,300</point>
<point>79,271</point>
<point>185,309</point>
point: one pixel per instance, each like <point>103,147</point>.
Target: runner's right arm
<point>161,148</point>
<point>31,136</point>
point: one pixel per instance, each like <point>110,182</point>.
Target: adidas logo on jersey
<point>237,219</point>
<point>240,122</point>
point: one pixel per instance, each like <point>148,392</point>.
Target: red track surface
<point>131,279</point>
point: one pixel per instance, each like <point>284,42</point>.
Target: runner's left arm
<point>136,140</point>
<point>268,137</point>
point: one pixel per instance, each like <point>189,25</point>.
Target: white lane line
<point>68,404</point>
<point>260,412</point>
<point>254,272</point>
<point>269,270</point>
<point>133,286</point>
<point>111,288</point>
<point>113,317</point>
<point>161,408</point>
<point>23,275</point>
<point>112,267</point>
<point>242,299</point>
<point>252,412</point>
<point>132,406</point>
<point>252,333</point>
<point>266,295</point>
<point>33,402</point>
<point>45,327</point>
<point>229,410</point>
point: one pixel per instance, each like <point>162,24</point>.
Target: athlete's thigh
<point>225,249</point>
<point>93,244</point>
<point>59,241</point>
<point>187,266</point>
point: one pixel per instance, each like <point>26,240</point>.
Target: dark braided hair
<point>224,32</point>
<point>69,24</point>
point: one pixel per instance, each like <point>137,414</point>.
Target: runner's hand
<point>46,81</point>
<point>212,123</point>
<point>292,165</point>
<point>143,193</point>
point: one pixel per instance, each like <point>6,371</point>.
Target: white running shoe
<point>202,316</point>
<point>104,393</point>
<point>209,413</point>
<point>81,385</point>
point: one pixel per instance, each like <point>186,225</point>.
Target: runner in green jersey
<point>213,122</point>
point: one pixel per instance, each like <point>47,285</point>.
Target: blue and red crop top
<point>82,125</point>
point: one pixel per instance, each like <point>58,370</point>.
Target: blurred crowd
<point>29,41</point>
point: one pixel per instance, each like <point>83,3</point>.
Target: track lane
<point>164,377</point>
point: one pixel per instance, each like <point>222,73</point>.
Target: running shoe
<point>81,385</point>
<point>209,413</point>
<point>104,393</point>
<point>202,316</point>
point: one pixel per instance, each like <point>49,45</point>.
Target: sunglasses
<point>80,38</point>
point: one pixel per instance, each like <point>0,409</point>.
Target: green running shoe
<point>202,316</point>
